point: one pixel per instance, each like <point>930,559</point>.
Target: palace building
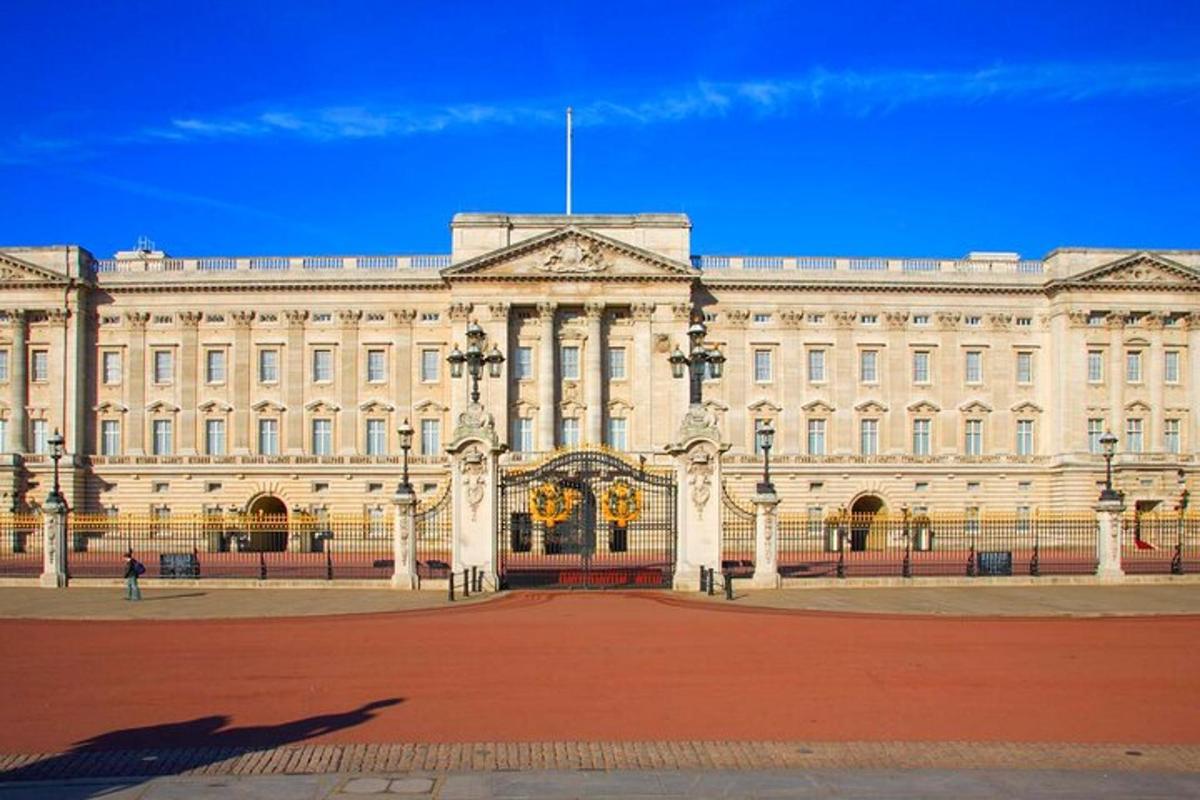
<point>277,384</point>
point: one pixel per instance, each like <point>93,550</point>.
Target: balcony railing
<point>297,264</point>
<point>900,266</point>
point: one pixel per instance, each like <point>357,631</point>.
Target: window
<point>616,433</point>
<point>3,366</point>
<point>1024,437</point>
<point>523,434</point>
<point>214,366</point>
<point>816,365</point>
<point>920,319</point>
<point>1095,366</point>
<point>921,441</point>
<point>1024,367</point>
<point>41,366</point>
<point>431,437</point>
<point>759,424</point>
<point>430,316</point>
<point>164,366</point>
<point>214,437</point>
<point>523,363</point>
<point>41,433</point>
<point>762,366</point>
<point>429,366</point>
<point>268,366</point>
<point>1095,429</point>
<point>322,437</point>
<point>268,437</point>
<point>1133,435</point>
<point>1024,322</point>
<point>816,319</point>
<point>569,432</point>
<point>762,318</point>
<point>868,437</point>
<point>1170,436</point>
<point>1171,366</point>
<point>616,363</point>
<point>322,369</point>
<point>816,437</point>
<point>4,435</point>
<point>974,368</point>
<point>973,321</point>
<point>921,366</point>
<point>110,364</point>
<point>376,367</point>
<point>1096,318</point>
<point>164,437</point>
<point>868,366</point>
<point>815,520</point>
<point>570,363</point>
<point>376,437</point>
<point>110,437</point>
<point>973,445</point>
<point>870,319</point>
<point>1133,366</point>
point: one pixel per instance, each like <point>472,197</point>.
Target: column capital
<point>1191,320</point>
<point>242,319</point>
<point>499,311</point>
<point>642,312</point>
<point>57,316</point>
<point>792,317</point>
<point>137,319</point>
<point>460,312</point>
<point>190,319</point>
<point>15,316</point>
<point>737,317</point>
<point>546,311</point>
<point>349,317</point>
<point>948,320</point>
<point>682,312</point>
<point>404,316</point>
<point>295,317</point>
<point>594,311</point>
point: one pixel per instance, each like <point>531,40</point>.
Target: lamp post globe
<point>766,438</point>
<point>1109,444</point>
<point>56,499</point>
<point>405,431</point>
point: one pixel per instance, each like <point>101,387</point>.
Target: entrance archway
<point>862,517</point>
<point>267,525</point>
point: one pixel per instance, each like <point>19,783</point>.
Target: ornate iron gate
<point>586,518</point>
<point>435,536</point>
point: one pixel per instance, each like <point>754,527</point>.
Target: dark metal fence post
<point>841,540</point>
<point>1035,563</point>
<point>906,565</point>
<point>1177,558</point>
<point>728,585</point>
<point>262,567</point>
<point>702,571</point>
<point>711,571</point>
<point>451,582</point>
<point>328,563</point>
<point>466,585</point>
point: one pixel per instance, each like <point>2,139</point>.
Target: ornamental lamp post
<point>1109,442</point>
<point>406,436</point>
<point>474,359</point>
<point>699,358</point>
<point>56,501</point>
<point>766,437</point>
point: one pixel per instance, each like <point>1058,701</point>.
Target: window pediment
<point>215,406</point>
<point>266,406</point>
<point>1027,407</point>
<point>430,406</point>
<point>817,407</point>
<point>924,407</point>
<point>162,407</point>
<point>765,405</point>
<point>871,407</point>
<point>322,407</point>
<point>975,407</point>
<point>1137,405</point>
<point>376,407</point>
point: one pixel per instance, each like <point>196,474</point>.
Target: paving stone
<point>366,786</point>
<point>411,786</point>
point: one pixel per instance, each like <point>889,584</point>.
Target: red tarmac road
<point>597,666</point>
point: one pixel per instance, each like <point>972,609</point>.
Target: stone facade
<point>203,383</point>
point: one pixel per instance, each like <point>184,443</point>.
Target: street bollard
<point>451,587</point>
<point>728,585</point>
<point>262,567</point>
<point>711,571</point>
<point>466,585</point>
<point>702,571</point>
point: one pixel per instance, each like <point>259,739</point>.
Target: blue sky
<point>833,128</point>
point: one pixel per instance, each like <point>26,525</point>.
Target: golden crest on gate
<point>549,504</point>
<point>621,503</point>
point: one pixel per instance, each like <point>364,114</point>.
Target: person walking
<point>133,568</point>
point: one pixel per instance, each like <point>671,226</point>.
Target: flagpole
<point>568,161</point>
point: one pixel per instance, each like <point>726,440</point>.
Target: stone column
<point>698,498</point>
<point>135,436</point>
<point>294,376</point>
<point>404,541</point>
<point>949,378</point>
<point>460,317</point>
<point>641,437</point>
<point>189,376</point>
<point>766,541</point>
<point>402,380</point>
<point>738,361</point>
<point>547,379</point>
<point>347,427</point>
<point>495,390</point>
<point>1191,376</point>
<point>1155,373</point>
<point>54,547</point>
<point>474,469</point>
<point>593,374</point>
<point>1108,539</point>
<point>1116,378</point>
<point>241,375</point>
<point>18,426</point>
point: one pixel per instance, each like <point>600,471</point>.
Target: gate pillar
<point>766,541</point>
<point>698,503</point>
<point>54,544</point>
<point>1108,539</point>
<point>404,540</point>
<point>474,463</point>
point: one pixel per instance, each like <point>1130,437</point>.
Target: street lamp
<point>56,499</point>
<point>766,437</point>
<point>1109,442</point>
<point>475,358</point>
<point>406,436</point>
<point>700,357</point>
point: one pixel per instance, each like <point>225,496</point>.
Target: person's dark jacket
<point>130,571</point>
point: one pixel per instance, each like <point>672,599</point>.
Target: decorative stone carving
<point>594,311</point>
<point>474,476</point>
<point>699,421</point>
<point>242,319</point>
<point>137,319</point>
<point>896,320</point>
<point>1191,320</point>
<point>737,317</point>
<point>1153,320</point>
<point>948,320</point>
<point>662,343</point>
<point>682,312</point>
<point>545,312</point>
<point>642,312</point>
<point>349,317</point>
<point>476,422</point>
<point>404,316</point>
<point>1000,322</point>
<point>700,472</point>
<point>792,318</point>
<point>844,319</point>
<point>499,311</point>
<point>460,312</point>
<point>573,256</point>
<point>1078,319</point>
<point>190,319</point>
<point>1116,319</point>
<point>57,316</point>
<point>296,316</point>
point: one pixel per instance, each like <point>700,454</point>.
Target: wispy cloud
<point>848,92</point>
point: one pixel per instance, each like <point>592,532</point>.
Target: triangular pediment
<point>765,405</point>
<point>15,271</point>
<point>1142,270</point>
<point>571,253</point>
<point>817,407</point>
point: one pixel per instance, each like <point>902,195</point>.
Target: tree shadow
<point>175,747</point>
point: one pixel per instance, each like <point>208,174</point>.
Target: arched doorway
<point>267,526</point>
<point>862,517</point>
